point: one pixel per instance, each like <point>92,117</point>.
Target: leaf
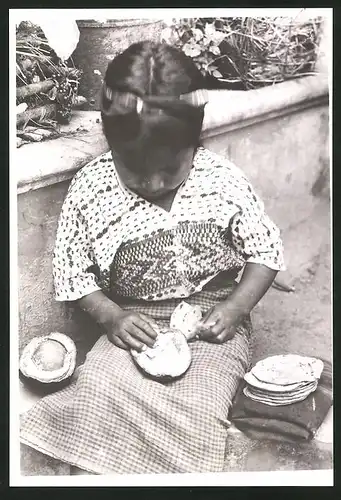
<point>197,34</point>
<point>21,108</point>
<point>195,52</point>
<point>191,50</point>
<point>52,94</point>
<point>209,29</point>
<point>217,73</point>
<point>215,50</point>
<point>218,39</point>
<point>201,59</point>
<point>205,42</point>
<point>187,49</point>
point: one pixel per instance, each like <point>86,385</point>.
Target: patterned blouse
<point>110,238</point>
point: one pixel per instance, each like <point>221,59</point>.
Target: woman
<point>157,220</point>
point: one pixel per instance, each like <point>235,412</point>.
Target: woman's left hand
<point>219,324</point>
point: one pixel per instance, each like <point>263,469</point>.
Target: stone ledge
<point>230,110</point>
<point>45,163</point>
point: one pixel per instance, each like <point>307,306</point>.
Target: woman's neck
<point>166,201</point>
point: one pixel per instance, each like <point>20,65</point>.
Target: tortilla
<point>169,357</point>
<point>274,388</point>
<point>186,318</point>
<point>285,395</point>
<point>287,369</point>
<point>276,402</point>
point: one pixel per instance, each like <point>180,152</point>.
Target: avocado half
<point>49,359</point>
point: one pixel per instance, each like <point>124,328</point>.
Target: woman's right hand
<point>125,329</point>
<point>131,330</point>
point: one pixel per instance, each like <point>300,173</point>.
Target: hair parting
<point>153,95</point>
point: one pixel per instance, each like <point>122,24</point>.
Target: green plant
<point>250,51</point>
<point>198,40</point>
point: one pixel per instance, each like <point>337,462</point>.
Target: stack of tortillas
<point>283,380</point>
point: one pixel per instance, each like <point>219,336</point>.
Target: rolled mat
<point>297,421</point>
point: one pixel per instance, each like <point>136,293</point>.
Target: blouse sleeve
<point>73,255</point>
<point>253,232</point>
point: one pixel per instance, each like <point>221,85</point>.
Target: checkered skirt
<point>115,419</point>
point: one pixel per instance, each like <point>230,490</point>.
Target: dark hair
<point>158,74</point>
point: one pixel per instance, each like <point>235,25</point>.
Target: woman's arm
<point>99,307</point>
<point>126,329</point>
<point>220,322</point>
<point>254,283</point>
<point>73,258</point>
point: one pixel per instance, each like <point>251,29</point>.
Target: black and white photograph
<point>171,247</point>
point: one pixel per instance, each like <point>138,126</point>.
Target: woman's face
<point>160,174</point>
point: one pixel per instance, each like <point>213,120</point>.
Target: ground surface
<point>298,322</point>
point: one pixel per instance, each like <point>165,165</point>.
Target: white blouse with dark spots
<point>110,238</point>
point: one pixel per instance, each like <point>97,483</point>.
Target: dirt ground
<point>300,322</point>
